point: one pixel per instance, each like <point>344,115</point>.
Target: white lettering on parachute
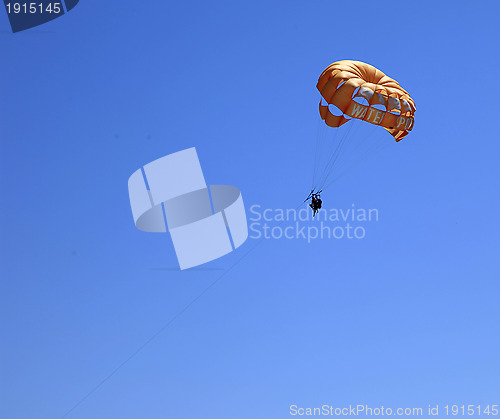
<point>358,111</point>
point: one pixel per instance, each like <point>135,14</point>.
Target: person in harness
<point>315,203</point>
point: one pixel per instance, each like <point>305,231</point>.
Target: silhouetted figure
<point>315,203</point>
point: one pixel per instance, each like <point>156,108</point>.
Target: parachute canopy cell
<point>387,103</point>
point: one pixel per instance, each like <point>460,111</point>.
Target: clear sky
<point>406,317</point>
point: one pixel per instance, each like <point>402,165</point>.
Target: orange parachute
<point>344,81</point>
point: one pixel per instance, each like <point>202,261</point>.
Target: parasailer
<point>353,90</point>
<point>315,203</point>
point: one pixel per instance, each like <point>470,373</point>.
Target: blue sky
<point>406,317</point>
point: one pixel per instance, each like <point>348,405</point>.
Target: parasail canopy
<point>361,91</point>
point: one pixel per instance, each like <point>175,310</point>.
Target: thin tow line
<point>166,325</point>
